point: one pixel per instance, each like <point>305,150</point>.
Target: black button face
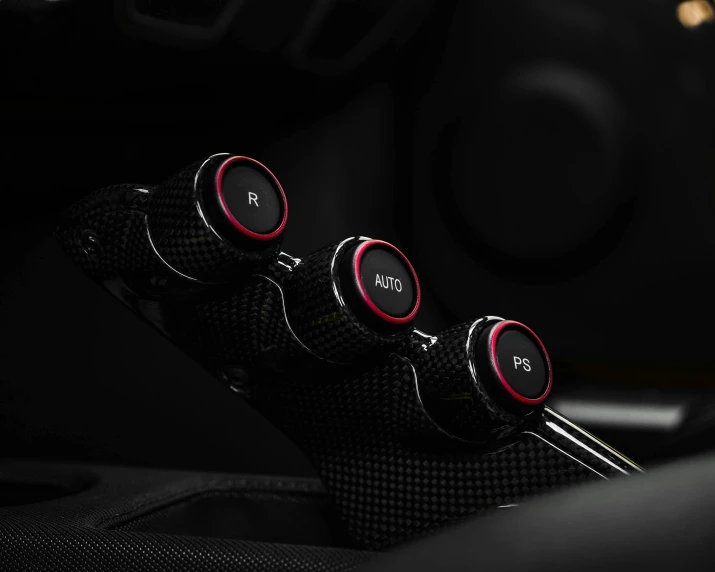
<point>522,364</point>
<point>388,281</point>
<point>252,198</point>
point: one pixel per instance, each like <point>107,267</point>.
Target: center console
<point>409,431</point>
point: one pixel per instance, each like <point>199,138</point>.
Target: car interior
<point>322,285</point>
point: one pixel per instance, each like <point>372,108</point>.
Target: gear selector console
<point>408,431</point>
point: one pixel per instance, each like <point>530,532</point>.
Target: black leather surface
<point>661,520</point>
<point>103,497</point>
<point>259,516</point>
<point>109,518</point>
<point>56,548</point>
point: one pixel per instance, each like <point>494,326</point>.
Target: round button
<point>250,199</point>
<point>384,282</point>
<point>519,362</point>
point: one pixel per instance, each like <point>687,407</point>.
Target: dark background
<point>550,162</point>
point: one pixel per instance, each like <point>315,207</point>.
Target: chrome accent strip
<point>430,340</point>
<point>551,425</point>
<point>596,440</point>
<point>470,340</point>
<point>198,199</point>
<point>333,271</point>
<point>291,262</point>
<point>560,450</point>
<point>470,363</point>
<point>421,404</point>
<point>169,266</point>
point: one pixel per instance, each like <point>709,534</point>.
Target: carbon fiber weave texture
<point>134,222</point>
<point>393,476</point>
<point>556,432</point>
<point>319,318</point>
<point>243,327</point>
<point>115,218</point>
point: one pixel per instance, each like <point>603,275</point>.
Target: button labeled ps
<point>521,363</point>
<point>518,361</point>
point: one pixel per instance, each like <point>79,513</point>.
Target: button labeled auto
<point>382,282</point>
